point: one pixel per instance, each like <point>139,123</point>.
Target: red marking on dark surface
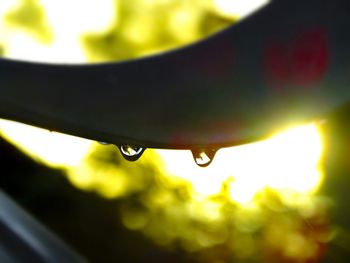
<point>310,57</point>
<point>302,61</point>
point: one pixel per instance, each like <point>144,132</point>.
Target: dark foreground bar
<point>23,239</point>
<point>286,64</point>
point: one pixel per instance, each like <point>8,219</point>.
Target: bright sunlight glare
<point>288,161</point>
<point>52,148</point>
<point>238,8</point>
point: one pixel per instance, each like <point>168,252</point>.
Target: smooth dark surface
<point>286,64</point>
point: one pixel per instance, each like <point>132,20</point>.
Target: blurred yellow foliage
<point>29,16</point>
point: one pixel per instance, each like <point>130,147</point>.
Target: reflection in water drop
<point>131,153</point>
<point>203,157</point>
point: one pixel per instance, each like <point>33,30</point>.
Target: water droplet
<point>131,153</point>
<point>203,157</point>
<point>104,143</point>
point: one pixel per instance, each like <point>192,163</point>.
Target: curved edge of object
<point>287,63</point>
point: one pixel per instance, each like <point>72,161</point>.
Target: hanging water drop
<point>131,153</point>
<point>203,157</point>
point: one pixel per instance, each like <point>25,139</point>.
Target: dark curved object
<point>288,63</point>
<point>23,239</point>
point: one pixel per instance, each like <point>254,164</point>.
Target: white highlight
<point>286,162</point>
<point>238,8</point>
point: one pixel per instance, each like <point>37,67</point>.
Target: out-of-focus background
<point>283,199</point>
